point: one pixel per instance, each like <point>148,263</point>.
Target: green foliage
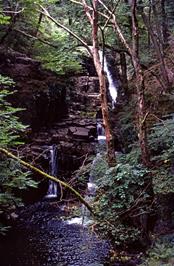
<point>163,181</point>
<point>61,61</point>
<point>161,143</point>
<point>82,174</point>
<point>12,177</point>
<point>4,20</point>
<point>99,167</point>
<point>122,194</point>
<point>161,139</point>
<point>60,56</point>
<point>5,81</point>
<point>126,125</point>
<point>162,253</point>
<point>9,123</point>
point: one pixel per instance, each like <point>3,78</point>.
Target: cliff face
<point>40,92</point>
<point>58,110</point>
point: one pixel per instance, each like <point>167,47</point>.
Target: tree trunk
<point>142,132</point>
<point>123,71</point>
<point>158,51</point>
<point>95,54</point>
<point>165,30</point>
<point>102,83</point>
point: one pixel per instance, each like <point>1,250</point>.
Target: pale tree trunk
<point>102,83</point>
<point>93,18</point>
<point>142,130</point>
<point>124,71</point>
<point>92,15</point>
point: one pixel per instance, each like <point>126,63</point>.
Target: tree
<point>99,17</point>
<point>93,19</point>
<point>134,53</point>
<point>12,176</point>
<point>92,15</point>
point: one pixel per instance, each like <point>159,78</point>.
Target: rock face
<point>58,110</point>
<point>41,93</point>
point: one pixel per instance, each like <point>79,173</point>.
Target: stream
<point>43,235</point>
<point>42,238</point>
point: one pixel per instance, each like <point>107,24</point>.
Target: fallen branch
<point>55,179</point>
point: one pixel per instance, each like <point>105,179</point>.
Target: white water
<point>112,85</point>
<point>53,165</point>
<point>100,132</point>
<point>85,218</point>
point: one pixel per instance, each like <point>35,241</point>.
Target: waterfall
<point>113,87</point>
<point>53,170</point>
<point>101,147</point>
<point>86,218</point>
<point>100,132</point>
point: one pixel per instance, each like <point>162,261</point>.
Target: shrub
<point>12,176</point>
<point>123,196</point>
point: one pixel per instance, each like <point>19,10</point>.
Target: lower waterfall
<point>53,170</point>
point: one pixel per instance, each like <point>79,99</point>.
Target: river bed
<point>41,238</point>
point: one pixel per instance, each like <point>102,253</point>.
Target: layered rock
<point>41,93</point>
<point>58,110</point>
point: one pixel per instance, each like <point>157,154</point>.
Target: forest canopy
<point>136,37</point>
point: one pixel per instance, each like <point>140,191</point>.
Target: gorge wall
<point>58,110</point>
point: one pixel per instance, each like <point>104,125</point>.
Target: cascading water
<point>102,142</point>
<point>86,219</point>
<point>101,137</point>
<point>113,87</point>
<point>100,132</point>
<point>53,166</point>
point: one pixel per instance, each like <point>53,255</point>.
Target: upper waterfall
<point>112,86</point>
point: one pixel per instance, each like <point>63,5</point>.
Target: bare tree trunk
<point>102,83</point>
<point>93,19</point>
<point>123,71</point>
<point>142,132</point>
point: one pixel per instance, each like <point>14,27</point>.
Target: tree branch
<point>45,12</point>
<point>117,28</point>
<point>36,38</point>
<point>110,16</point>
<point>87,8</point>
<point>13,12</point>
<point>90,8</point>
